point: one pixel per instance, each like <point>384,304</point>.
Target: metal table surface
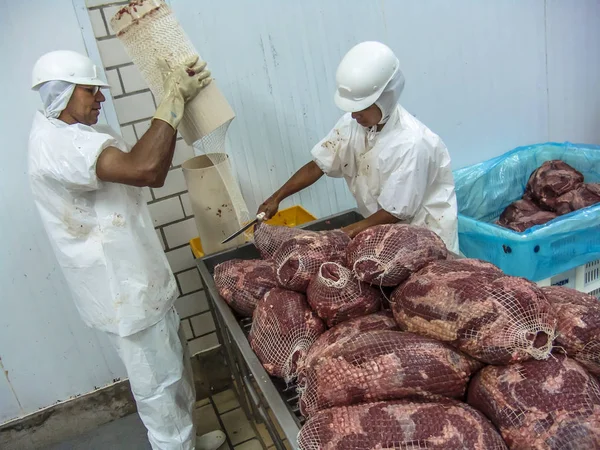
<point>257,391</point>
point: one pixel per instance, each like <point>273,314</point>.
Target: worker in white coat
<point>87,184</point>
<point>397,169</point>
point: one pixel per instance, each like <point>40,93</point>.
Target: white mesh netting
<point>283,330</point>
<point>578,327</point>
<point>495,318</point>
<point>298,259</point>
<point>400,425</point>
<point>268,238</point>
<point>383,365</point>
<point>336,295</point>
<point>553,404</point>
<point>242,283</point>
<point>385,255</point>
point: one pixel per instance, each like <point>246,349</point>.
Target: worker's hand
<point>269,207</point>
<point>351,231</point>
<point>181,85</point>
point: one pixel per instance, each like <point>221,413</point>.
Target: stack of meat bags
<point>554,189</point>
<point>461,360</point>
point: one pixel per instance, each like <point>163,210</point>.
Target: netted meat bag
<point>268,238</point>
<point>242,283</point>
<point>384,365</point>
<point>385,255</point>
<point>492,317</point>
<point>578,327</point>
<point>541,405</point>
<point>524,214</point>
<point>337,335</point>
<point>579,198</point>
<point>283,330</point>
<point>336,295</point>
<point>400,425</point>
<point>551,180</point>
<point>298,259</point>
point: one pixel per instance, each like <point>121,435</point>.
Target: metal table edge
<point>280,409</point>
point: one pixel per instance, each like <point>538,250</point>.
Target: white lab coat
<point>102,233</point>
<point>404,169</point>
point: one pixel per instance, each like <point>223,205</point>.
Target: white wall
<point>46,350</point>
<point>486,76</point>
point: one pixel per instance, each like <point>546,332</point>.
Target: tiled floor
<point>221,411</point>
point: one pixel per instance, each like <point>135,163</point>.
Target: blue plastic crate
<point>484,190</point>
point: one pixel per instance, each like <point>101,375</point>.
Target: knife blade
<point>261,216</point>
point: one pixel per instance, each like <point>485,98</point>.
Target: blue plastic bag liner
<point>484,190</point>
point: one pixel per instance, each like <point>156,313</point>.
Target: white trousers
<point>160,373</point>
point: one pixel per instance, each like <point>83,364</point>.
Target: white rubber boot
<point>210,441</point>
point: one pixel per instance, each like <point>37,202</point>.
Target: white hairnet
<point>55,97</point>
<point>388,99</point>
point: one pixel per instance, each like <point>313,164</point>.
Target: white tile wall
<point>203,344</point>
<point>174,184</point>
<point>98,23</point>
<point>160,238</point>
<point>180,233</point>
<point>183,152</point>
<point>189,305</point>
<point>92,3</point>
<point>203,324</point>
<point>112,76</point>
<point>166,211</point>
<point>190,280</point>
<point>132,79</point>
<point>187,204</point>
<point>147,194</point>
<point>134,107</point>
<point>181,259</point>
<point>109,13</point>
<point>113,53</point>
<point>187,329</point>
<point>129,136</point>
<point>142,127</point>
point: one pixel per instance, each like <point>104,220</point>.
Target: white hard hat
<point>363,75</point>
<point>65,65</point>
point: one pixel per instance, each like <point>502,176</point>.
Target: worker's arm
<point>150,158</point>
<point>148,162</point>
<point>305,177</point>
<point>381,217</point>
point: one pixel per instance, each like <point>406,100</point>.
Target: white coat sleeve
<point>404,178</point>
<point>74,165</point>
<point>332,153</point>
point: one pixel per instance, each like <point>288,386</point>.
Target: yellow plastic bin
<point>290,217</point>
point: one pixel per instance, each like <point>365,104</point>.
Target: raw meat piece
<point>578,327</point>
<point>541,405</point>
<point>401,425</point>
<point>579,198</point>
<point>336,295</point>
<point>495,318</point>
<point>337,335</point>
<point>385,255</point>
<point>384,365</point>
<point>298,259</point>
<point>551,180</point>
<point>283,329</point>
<point>268,238</point>
<point>524,214</point>
<point>243,282</point>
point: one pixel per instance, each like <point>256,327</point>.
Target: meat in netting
<point>298,259</point>
<point>283,329</point>
<point>383,365</point>
<point>551,180</point>
<point>242,283</point>
<point>268,238</point>
<point>541,405</point>
<point>400,425</point>
<point>336,295</point>
<point>385,255</point>
<point>578,327</point>
<point>473,306</point>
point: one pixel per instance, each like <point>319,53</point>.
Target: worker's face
<point>85,104</point>
<point>368,117</point>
